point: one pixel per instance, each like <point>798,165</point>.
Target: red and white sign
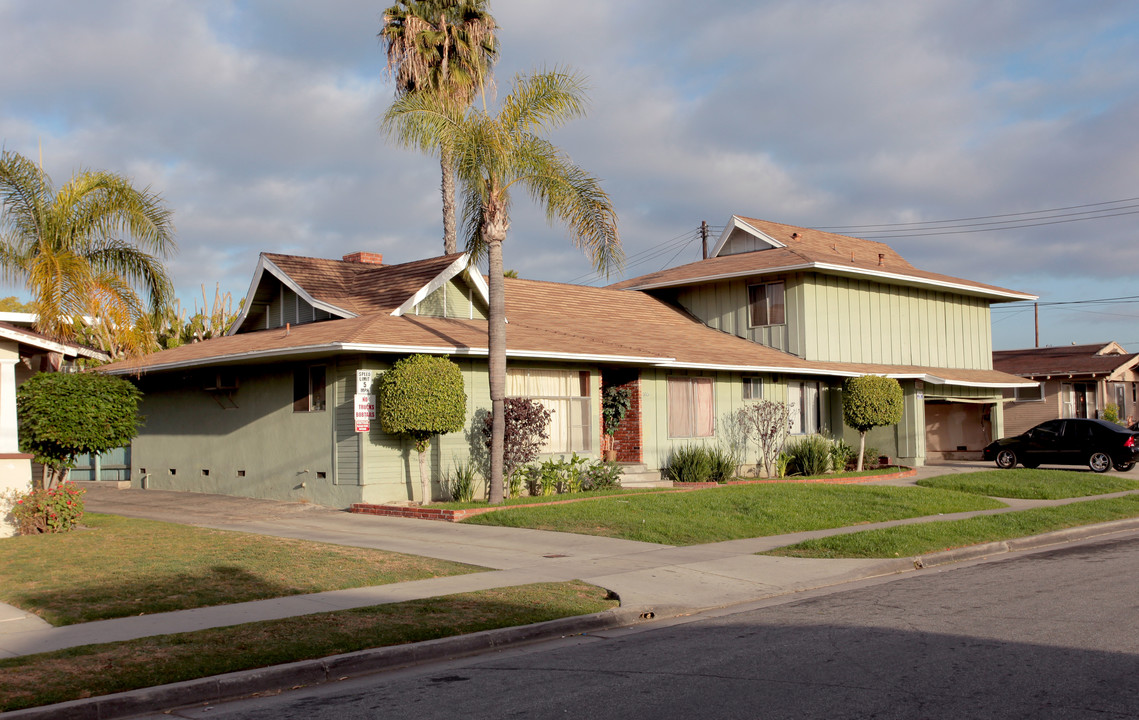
<point>364,410</point>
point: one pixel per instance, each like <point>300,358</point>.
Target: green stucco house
<point>277,409</point>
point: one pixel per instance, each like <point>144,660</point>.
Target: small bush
<point>601,476</point>
<point>689,463</point>
<point>556,476</point>
<point>810,455</point>
<point>724,464</point>
<point>461,482</point>
<point>48,511</point>
<point>1111,413</point>
<point>870,458</point>
<point>842,455</point>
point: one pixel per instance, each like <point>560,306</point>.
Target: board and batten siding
<point>838,319</point>
<point>849,320</point>
<point>455,299</point>
<point>244,442</point>
<point>724,306</point>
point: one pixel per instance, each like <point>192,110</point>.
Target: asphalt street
<point>1042,635</point>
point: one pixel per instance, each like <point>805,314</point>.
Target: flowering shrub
<point>48,511</point>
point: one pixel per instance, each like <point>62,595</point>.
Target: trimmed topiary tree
<point>870,401</point>
<point>422,396</point>
<point>63,415</point>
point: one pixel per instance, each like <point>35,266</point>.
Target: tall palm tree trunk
<point>496,346</point>
<point>447,165</point>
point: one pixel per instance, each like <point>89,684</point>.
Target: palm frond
<point>543,101</point>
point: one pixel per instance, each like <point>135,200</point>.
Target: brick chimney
<point>365,257</point>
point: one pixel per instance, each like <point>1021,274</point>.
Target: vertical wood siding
<point>849,320</point>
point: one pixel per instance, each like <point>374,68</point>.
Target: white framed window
<point>765,304</point>
<point>1030,394</point>
<point>566,394</point>
<point>691,408</point>
<point>803,406</point>
<point>309,389</point>
<point>753,388</point>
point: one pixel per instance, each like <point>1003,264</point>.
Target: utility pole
<point>704,237</point>
<point>1036,312</point>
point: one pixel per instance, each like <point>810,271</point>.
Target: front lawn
<point>735,512</point>
<point>92,670</point>
<point>924,538</point>
<point>116,567</point>
<point>1032,484</point>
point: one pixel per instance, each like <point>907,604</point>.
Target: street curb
<point>276,678</point>
<point>1031,542</point>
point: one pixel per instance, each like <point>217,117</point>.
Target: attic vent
<point>881,259</point>
<point>365,257</point>
<point>795,236</point>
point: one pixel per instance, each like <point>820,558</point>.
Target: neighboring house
<point>779,313</point>
<point>1071,381</point>
<point>24,352</point>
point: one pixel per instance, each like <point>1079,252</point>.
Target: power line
<point>868,228</point>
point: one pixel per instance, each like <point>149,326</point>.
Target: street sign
<point>364,410</point>
<point>364,381</point>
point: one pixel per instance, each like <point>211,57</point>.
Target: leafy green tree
<point>422,396</point>
<point>446,48</point>
<point>870,401</point>
<point>493,154</point>
<point>63,415</point>
<point>13,304</point>
<point>93,247</point>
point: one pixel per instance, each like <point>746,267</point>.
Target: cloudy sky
<point>257,121</point>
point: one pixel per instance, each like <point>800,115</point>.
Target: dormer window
<point>765,304</point>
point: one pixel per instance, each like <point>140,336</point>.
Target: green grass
<point>924,538</point>
<point>1032,484</point>
<point>93,670</point>
<point>117,567</point>
<point>740,511</point>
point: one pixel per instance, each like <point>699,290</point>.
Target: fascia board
<point>454,269</point>
<point>378,349</point>
<point>41,343</point>
<point>264,265</point>
<point>843,270</point>
<point>912,279</point>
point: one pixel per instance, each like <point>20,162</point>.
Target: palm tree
<point>445,47</point>
<point>88,248</point>
<point>493,154</point>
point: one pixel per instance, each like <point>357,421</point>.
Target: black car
<point>1073,441</point>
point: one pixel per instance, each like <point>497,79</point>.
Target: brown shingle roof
<point>357,287</point>
<point>807,249</point>
<point>1061,360</point>
<point>546,320</point>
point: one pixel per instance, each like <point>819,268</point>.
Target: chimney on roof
<point>881,259</point>
<point>365,257</point>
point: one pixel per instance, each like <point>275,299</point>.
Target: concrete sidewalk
<point>656,579</point>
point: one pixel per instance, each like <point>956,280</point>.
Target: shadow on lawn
<point>87,602</point>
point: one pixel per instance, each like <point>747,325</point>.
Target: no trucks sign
<point>364,409</point>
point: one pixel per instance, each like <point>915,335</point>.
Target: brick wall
<point>627,441</point>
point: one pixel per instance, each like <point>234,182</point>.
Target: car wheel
<point>1099,462</point>
<point>1124,467</point>
<point>1006,459</point>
